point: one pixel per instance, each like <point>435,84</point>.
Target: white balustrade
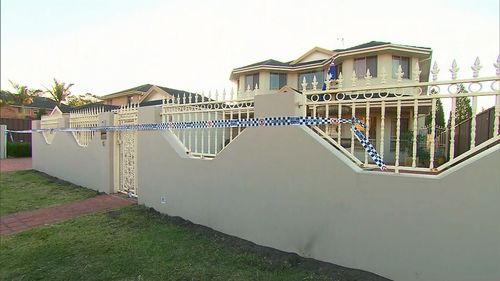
<point>407,112</point>
<point>86,118</point>
<point>207,142</point>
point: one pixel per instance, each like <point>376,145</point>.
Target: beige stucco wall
<point>123,100</point>
<point>89,166</point>
<point>286,188</point>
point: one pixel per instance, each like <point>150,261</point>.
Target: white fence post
<point>3,141</point>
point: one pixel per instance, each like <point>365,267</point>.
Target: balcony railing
<point>402,119</point>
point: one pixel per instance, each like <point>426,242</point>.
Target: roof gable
<point>153,93</point>
<point>314,54</point>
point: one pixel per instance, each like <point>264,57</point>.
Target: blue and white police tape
<point>234,123</point>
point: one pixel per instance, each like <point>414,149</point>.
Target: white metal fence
<point>397,115</point>
<point>84,119</point>
<point>207,142</point>
<point>50,122</point>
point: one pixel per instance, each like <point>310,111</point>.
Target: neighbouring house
<point>381,59</point>
<point>145,95</point>
<point>38,107</point>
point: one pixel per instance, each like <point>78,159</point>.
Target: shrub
<point>19,149</point>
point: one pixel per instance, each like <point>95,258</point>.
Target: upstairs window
<point>277,81</point>
<point>130,99</point>
<point>320,78</point>
<point>405,66</point>
<point>362,64</point>
<point>252,80</point>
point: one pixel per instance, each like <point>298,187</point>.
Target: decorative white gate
<point>126,151</point>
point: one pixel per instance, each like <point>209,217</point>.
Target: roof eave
<point>422,51</point>
<point>272,67</point>
<point>116,95</point>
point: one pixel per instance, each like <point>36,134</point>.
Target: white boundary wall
<point>286,188</point>
<point>89,166</point>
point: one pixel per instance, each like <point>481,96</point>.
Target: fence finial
<point>368,77</point>
<point>476,67</point>
<point>497,66</point>
<point>454,69</point>
<point>354,78</point>
<point>416,72</point>
<point>435,71</point>
<point>340,80</point>
<point>304,84</point>
<point>399,74</point>
<point>327,84</point>
<point>231,94</point>
<point>315,83</point>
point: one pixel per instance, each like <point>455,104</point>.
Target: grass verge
<point>27,190</point>
<point>134,243</point>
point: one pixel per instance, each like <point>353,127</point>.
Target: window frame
<point>280,84</point>
<point>320,80</point>
<point>373,72</point>
<point>406,74</point>
<point>253,75</point>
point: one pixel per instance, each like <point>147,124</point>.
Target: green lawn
<point>135,243</point>
<point>27,190</point>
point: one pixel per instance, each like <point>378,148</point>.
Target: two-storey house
<point>381,59</point>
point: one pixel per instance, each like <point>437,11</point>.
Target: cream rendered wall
<point>123,100</point>
<point>316,56</point>
<point>264,80</point>
<point>286,188</point>
<point>157,96</point>
<point>89,166</point>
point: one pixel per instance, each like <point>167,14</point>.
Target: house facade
<point>380,58</point>
<point>377,61</point>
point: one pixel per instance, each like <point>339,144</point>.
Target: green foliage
<point>22,95</point>
<point>27,190</point>
<point>74,100</point>
<point>440,122</point>
<point>19,149</point>
<point>40,113</point>
<point>463,109</point>
<point>59,91</point>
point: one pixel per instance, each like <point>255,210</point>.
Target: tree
<point>74,100</point>
<point>440,122</point>
<point>463,108</point>
<point>59,92</point>
<point>22,95</point>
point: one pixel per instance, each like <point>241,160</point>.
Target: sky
<point>105,46</point>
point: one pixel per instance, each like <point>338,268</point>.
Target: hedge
<point>19,149</point>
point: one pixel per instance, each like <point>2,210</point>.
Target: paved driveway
<point>15,164</point>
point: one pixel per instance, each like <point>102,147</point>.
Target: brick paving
<point>14,223</point>
<point>15,164</point>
